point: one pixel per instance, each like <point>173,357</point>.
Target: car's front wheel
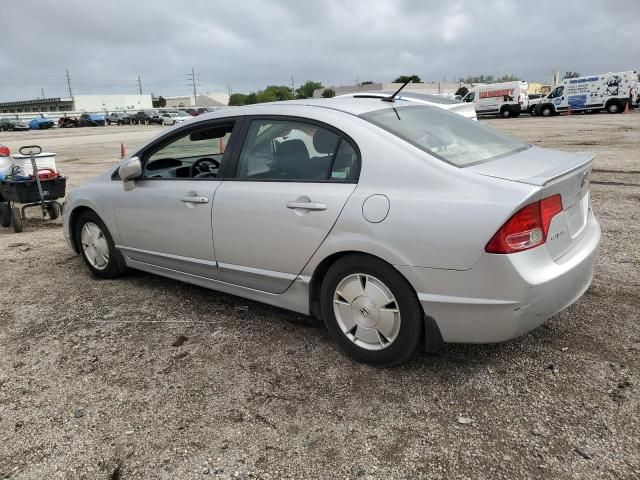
<point>96,246</point>
<point>371,311</point>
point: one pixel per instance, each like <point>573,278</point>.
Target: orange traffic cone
<point>569,111</point>
<point>626,107</point>
<point>123,153</point>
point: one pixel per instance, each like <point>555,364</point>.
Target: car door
<point>291,180</point>
<point>165,220</point>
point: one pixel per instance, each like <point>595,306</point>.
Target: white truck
<point>505,99</point>
<point>609,91</point>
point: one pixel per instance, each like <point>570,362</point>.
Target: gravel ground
<point>147,378</point>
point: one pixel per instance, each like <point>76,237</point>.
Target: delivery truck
<point>506,99</point>
<point>612,92</point>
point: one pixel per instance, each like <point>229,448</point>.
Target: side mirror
<point>129,171</point>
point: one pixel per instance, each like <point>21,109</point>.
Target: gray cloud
<point>249,44</point>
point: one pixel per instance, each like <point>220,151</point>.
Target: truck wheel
<point>532,111</point>
<point>506,113</point>
<point>546,111</point>
<point>613,107</point>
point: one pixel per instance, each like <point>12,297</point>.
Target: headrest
<point>324,141</point>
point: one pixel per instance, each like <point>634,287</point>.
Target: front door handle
<point>194,200</point>
<point>307,205</point>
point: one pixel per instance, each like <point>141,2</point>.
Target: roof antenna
<point>392,97</point>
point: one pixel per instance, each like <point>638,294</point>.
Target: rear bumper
<point>505,296</point>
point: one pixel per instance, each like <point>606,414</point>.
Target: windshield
<point>445,135</point>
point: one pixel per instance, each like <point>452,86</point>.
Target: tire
<point>5,215</point>
<point>369,341</point>
<point>108,122</point>
<point>532,111</point>
<point>97,249</point>
<point>16,220</point>
<point>546,111</point>
<point>613,107</point>
<point>505,113</point>
<point>53,210</point>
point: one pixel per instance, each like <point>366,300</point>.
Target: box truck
<point>506,99</point>
<point>612,92</point>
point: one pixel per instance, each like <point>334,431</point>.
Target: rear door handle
<point>194,200</point>
<point>307,205</point>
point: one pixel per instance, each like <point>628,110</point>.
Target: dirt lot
<point>92,385</point>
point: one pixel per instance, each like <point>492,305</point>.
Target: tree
<point>306,89</point>
<point>479,79</point>
<point>251,99</point>
<point>462,91</point>
<point>237,99</point>
<point>328,93</point>
<point>571,75</point>
<point>406,78</point>
<point>367,82</point>
<point>508,78</point>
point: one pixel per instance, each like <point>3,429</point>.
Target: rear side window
<point>445,135</point>
<point>284,150</point>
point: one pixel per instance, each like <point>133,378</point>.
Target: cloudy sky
<point>248,44</point>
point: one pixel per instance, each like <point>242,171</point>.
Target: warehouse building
<point>78,103</point>
<point>426,87</point>
<point>204,100</point>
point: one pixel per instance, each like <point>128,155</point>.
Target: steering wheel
<point>204,168</point>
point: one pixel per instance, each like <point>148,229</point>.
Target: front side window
<point>445,135</point>
<point>556,92</point>
<point>290,150</point>
<point>196,154</point>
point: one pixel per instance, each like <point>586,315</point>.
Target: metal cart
<point>31,192</point>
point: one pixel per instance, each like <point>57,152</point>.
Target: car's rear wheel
<point>96,247</point>
<point>371,311</point>
<point>505,112</point>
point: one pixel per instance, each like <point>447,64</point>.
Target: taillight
<point>527,228</point>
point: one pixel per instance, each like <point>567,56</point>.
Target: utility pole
<point>193,81</point>
<point>42,90</point>
<point>139,85</point>
<point>69,85</point>
<point>293,90</point>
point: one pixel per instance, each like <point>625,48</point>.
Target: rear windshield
<point>445,135</point>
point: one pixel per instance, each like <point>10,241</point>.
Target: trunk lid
<point>562,173</point>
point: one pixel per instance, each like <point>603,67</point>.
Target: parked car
<point>467,110</point>
<point>13,124</point>
<point>146,117</point>
<point>92,120</point>
<point>172,118</point>
<point>119,118</point>
<point>68,122</point>
<point>40,123</point>
<point>534,99</point>
<point>412,225</point>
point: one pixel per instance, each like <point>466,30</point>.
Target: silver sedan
<point>401,226</point>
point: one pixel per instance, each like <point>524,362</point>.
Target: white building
<point>79,103</point>
<point>426,87</point>
<point>204,100</point>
